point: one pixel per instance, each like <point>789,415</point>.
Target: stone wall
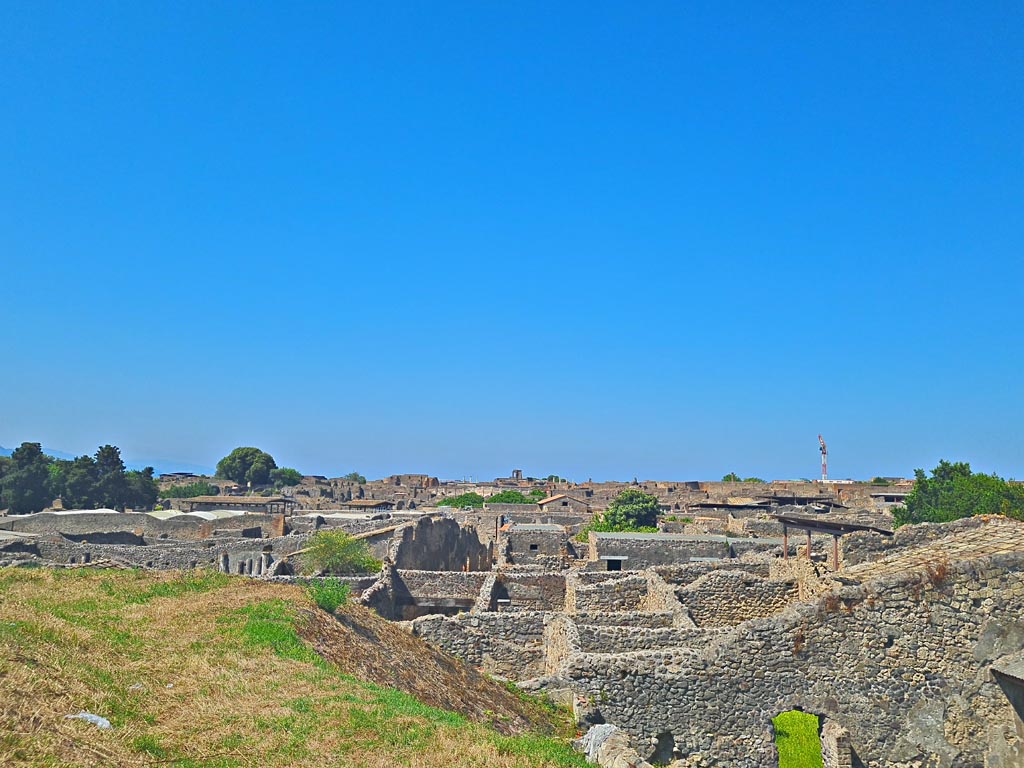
<point>862,547</point>
<point>900,662</point>
<point>681,575</point>
<point>623,594</point>
<point>642,550</point>
<point>407,594</point>
<point>561,641</point>
<point>438,544</point>
<point>509,645</point>
<point>243,555</point>
<point>594,638</point>
<point>525,546</point>
<point>723,598</point>
<point>180,528</point>
<point>454,585</point>
<point>531,591</point>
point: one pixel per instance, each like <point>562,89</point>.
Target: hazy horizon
<point>665,241</point>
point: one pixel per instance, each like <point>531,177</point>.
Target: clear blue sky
<point>601,240</point>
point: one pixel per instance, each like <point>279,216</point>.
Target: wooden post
<point>835,551</point>
<point>809,544</point>
<point>785,542</point>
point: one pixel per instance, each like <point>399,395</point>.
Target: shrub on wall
<point>339,553</point>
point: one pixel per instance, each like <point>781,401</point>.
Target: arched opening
<point>798,739</point>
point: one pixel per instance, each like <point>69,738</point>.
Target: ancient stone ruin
<point>678,647</point>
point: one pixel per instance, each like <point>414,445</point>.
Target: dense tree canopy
<point>30,480</point>
<point>631,510</point>
<point>953,492</point>
<point>732,477</point>
<point>510,497</point>
<point>247,465</point>
<point>190,491</point>
<point>285,476</point>
<point>465,501</point>
<point>26,480</point>
<point>355,477</point>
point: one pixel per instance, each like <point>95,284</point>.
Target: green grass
<point>330,594</point>
<point>101,636</point>
<point>796,736</point>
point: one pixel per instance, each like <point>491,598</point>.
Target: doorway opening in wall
<point>798,739</point>
<point>664,749</point>
<point>614,565</point>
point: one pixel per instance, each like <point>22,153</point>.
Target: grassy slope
<point>796,736</point>
<point>210,670</point>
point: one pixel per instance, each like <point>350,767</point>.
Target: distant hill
<point>160,466</point>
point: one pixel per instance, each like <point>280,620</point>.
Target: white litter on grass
<point>89,717</point>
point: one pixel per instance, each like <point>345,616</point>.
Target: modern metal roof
<point>829,524</point>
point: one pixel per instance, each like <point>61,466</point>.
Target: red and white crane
<point>824,459</point>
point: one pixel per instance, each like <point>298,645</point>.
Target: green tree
<point>879,481</point>
<point>465,501</point>
<point>58,470</point>
<point>190,491</point>
<point>355,477</point>
<point>285,476</point>
<point>732,477</point>
<point>631,510</point>
<point>338,553</point>
<point>247,465</point>
<point>752,480</point>
<point>79,491</point>
<point>111,481</point>
<point>141,489</point>
<point>510,497</point>
<point>953,492</point>
<point>536,494</point>
<point>26,480</point>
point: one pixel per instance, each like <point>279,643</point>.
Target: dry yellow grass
<point>206,670</point>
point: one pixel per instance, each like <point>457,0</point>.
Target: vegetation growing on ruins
<point>632,511</point>
<point>338,553</point>
<point>953,492</point>
<point>285,476</point>
<point>211,670</point>
<point>465,501</point>
<point>355,477</point>
<point>190,491</point>
<point>30,480</point>
<point>537,494</point>
<point>247,465</point>
<point>512,497</point>
<point>732,477</point>
<point>797,739</point>
<point>330,593</point>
